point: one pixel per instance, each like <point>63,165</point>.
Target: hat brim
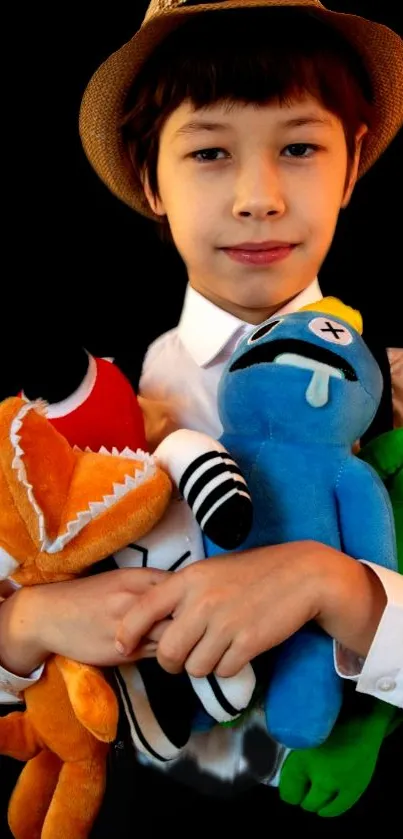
<point>103,103</point>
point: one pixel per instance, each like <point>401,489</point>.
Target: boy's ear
<point>154,201</point>
<point>352,180</point>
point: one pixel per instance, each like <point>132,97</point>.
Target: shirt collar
<point>205,329</point>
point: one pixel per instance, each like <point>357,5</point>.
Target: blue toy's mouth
<point>322,363</point>
<point>269,351</point>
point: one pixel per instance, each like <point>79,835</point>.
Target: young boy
<point>243,127</point>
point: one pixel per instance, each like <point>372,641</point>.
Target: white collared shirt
<point>182,368</point>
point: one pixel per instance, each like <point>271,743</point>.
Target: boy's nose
<point>258,192</point>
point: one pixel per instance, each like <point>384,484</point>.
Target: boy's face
<point>253,174</point>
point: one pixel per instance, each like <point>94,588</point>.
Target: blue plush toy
<point>295,396</point>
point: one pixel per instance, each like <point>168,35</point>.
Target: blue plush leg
<point>305,693</point>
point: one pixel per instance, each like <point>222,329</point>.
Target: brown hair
<point>254,57</point>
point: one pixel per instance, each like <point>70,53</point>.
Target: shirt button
<point>386,684</point>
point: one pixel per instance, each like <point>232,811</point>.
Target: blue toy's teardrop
<point>317,394</point>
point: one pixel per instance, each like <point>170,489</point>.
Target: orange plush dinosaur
<point>61,510</point>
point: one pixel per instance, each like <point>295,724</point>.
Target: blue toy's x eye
<point>263,330</point>
<point>331,331</point>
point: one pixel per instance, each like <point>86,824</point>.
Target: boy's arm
<point>368,531</point>
<point>56,384</point>
<point>77,619</point>
<point>395,356</point>
<point>66,379</point>
<point>158,420</point>
<point>227,610</point>
<point>380,674</point>
<point>11,685</point>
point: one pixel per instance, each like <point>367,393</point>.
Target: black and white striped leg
<point>225,699</point>
<point>217,493</point>
<point>159,706</point>
<point>211,483</point>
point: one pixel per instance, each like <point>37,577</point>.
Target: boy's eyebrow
<point>200,125</point>
<point>308,119</point>
<point>194,126</point>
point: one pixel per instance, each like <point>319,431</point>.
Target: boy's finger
<point>206,655</point>
<point>232,661</point>
<point>156,605</point>
<point>156,632</point>
<point>178,642</point>
<point>147,650</point>
<point>138,580</point>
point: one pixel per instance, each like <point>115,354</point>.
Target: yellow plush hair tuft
<point>335,307</point>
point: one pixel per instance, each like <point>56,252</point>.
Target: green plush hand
<point>328,780</point>
<point>385,454</point>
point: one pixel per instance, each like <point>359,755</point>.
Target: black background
<point>72,252</point>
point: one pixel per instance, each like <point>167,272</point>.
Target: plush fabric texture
<point>331,779</point>
<point>104,411</point>
<point>385,454</point>
<point>295,396</point>
<point>63,510</point>
<point>111,417</point>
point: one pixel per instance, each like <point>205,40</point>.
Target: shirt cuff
<point>12,686</point>
<point>380,674</point>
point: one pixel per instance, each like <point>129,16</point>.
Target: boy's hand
<point>77,619</point>
<point>230,608</point>
<point>158,420</point>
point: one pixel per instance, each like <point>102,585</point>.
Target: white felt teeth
<point>19,465</point>
<point>119,490</point>
<point>139,454</point>
<point>95,508</point>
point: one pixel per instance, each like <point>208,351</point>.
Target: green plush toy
<point>330,779</point>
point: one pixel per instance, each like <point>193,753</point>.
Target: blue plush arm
<point>365,515</point>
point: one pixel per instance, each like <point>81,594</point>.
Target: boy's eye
<point>300,149</point>
<point>207,155</point>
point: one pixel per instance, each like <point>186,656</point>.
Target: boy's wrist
<point>351,603</point>
<point>21,647</point>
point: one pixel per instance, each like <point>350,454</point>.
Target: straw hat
<point>103,103</point>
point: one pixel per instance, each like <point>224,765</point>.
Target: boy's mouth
<point>259,253</point>
<point>271,244</point>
